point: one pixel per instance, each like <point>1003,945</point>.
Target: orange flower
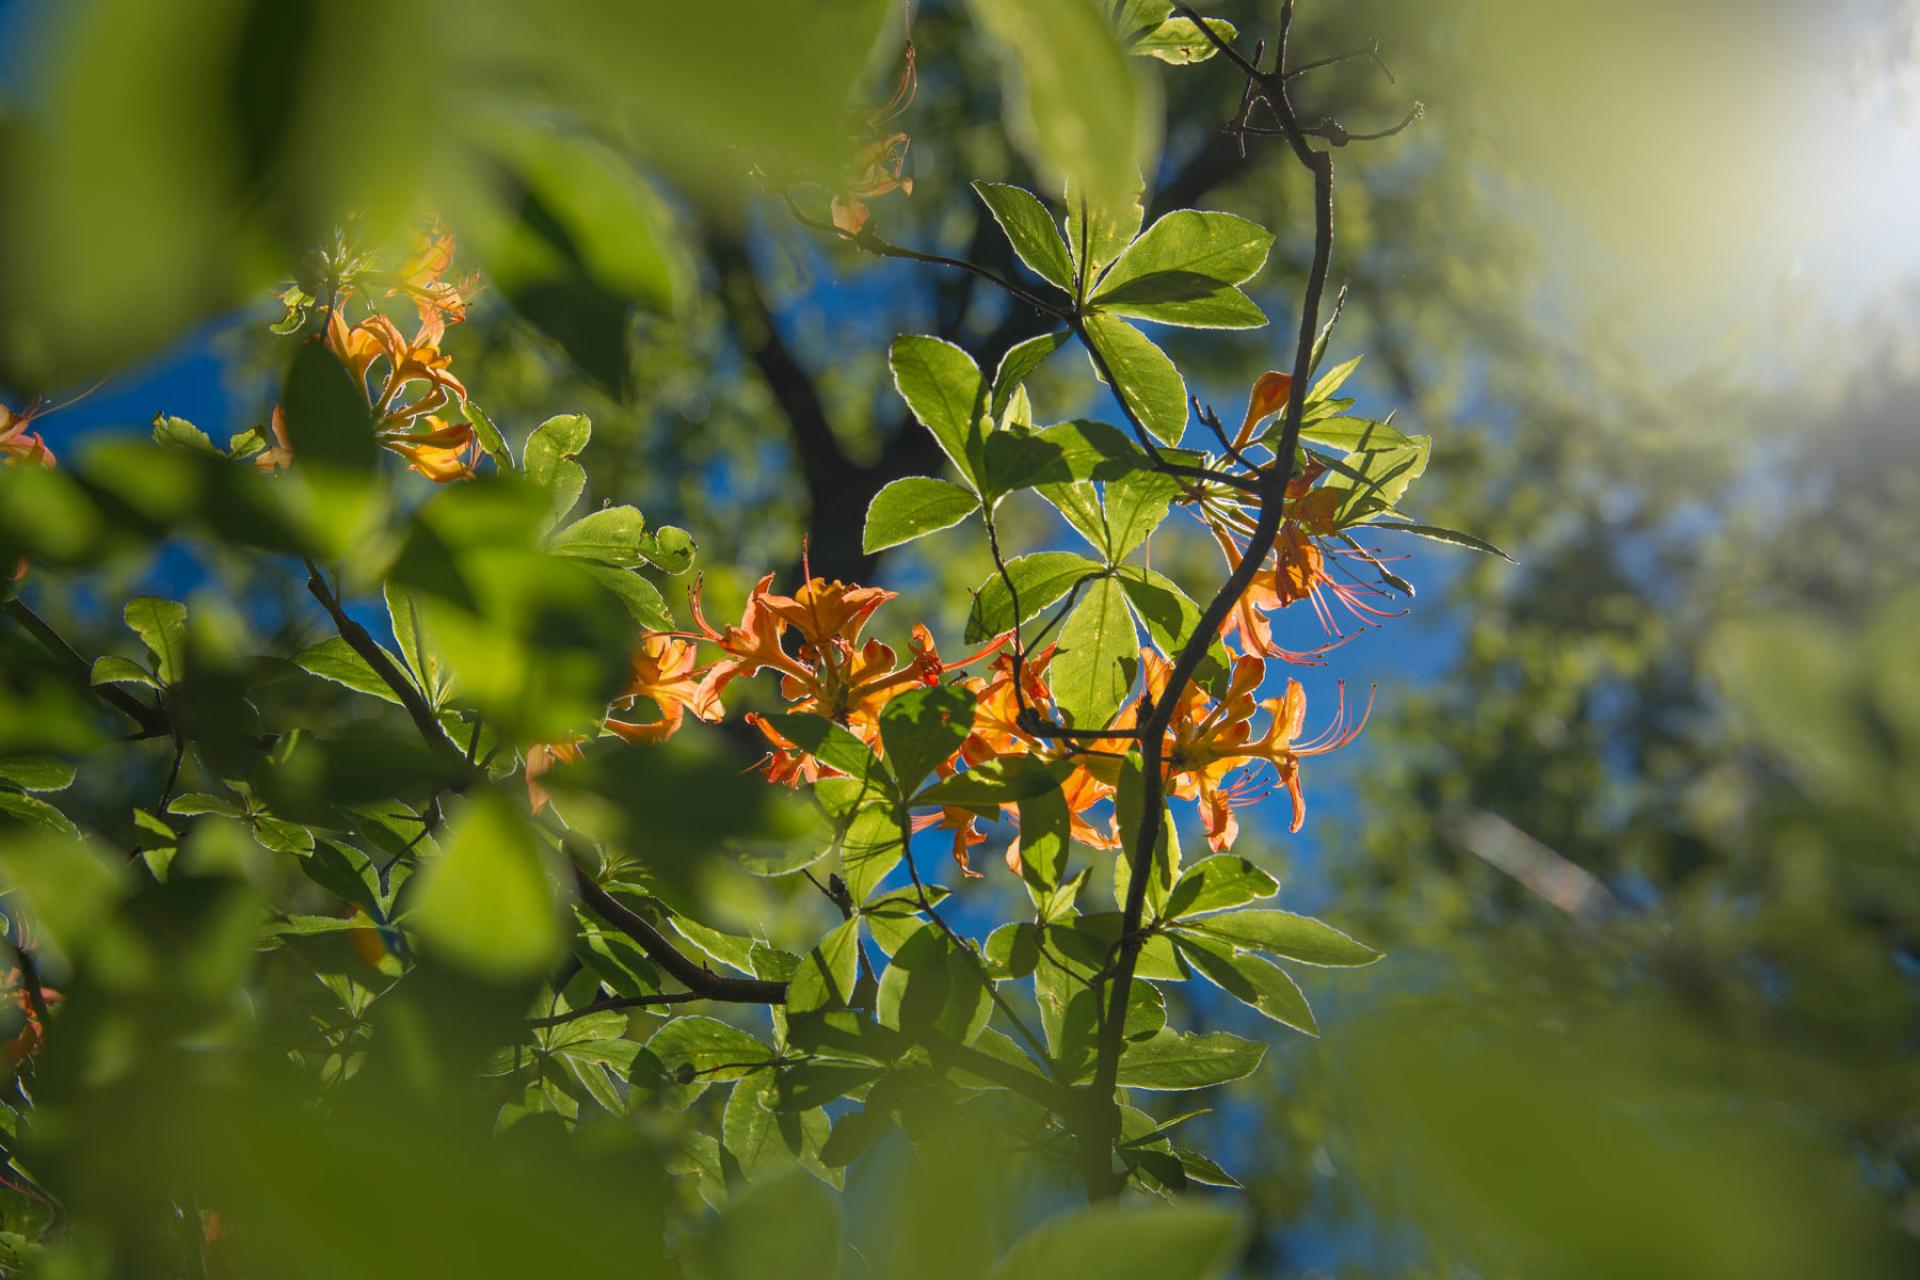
<point>19,446</point>
<point>663,672</point>
<point>439,450</point>
<point>879,156</point>
<point>1208,742</point>
<point>32,1034</point>
<point>1269,396</point>
<point>279,455</point>
<point>440,302</point>
<point>829,674</point>
<point>542,757</point>
<point>964,823</point>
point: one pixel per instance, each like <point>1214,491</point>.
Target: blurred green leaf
<point>487,903</point>
<point>1124,1242</point>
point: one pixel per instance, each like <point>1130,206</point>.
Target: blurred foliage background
<point>1637,820</point>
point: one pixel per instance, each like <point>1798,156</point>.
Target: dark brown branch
<point>614,1005</point>
<point>699,980</point>
<point>411,699</point>
<point>1101,1122</point>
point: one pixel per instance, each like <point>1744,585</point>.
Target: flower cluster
<point>407,382</point>
<point>1214,753</point>
<point>1308,561</point>
<point>879,161</point>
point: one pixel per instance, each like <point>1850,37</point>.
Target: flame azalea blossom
<point>830,672</point>
<point>32,1034</point>
<point>440,302</point>
<point>406,382</point>
<point>997,733</point>
<point>964,823</point>
<point>880,155</point>
<point>663,672</point>
<point>542,757</point>
<point>438,450</point>
<point>1212,753</point>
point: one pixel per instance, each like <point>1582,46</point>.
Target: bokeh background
<point>1636,818</point>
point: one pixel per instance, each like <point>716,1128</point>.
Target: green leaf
<point>548,460</point>
<point>1031,230</point>
<point>943,387</point>
<point>403,614</point>
<point>1202,1169</point>
<point>1124,1242</point>
<point>921,730</point>
<point>1038,581</point>
<point>162,627</point>
<point>1179,42</point>
<point>1095,451</point>
<point>1218,248</point>
<point>1351,434</point>
<point>1437,534</point>
<point>933,985</point>
<point>334,659</point>
<point>827,975</point>
<point>1170,616</point>
<point>870,848</point>
<point>1186,303</point>
<point>1100,227</point>
<point>1143,377</point>
<point>1184,271</point>
<point>1217,883</point>
<point>1019,363</point>
<point>831,744</point>
<point>1165,865</point>
<point>1136,504</point>
<point>913,507</point>
<point>1254,981</point>
<point>1173,1060</point>
<point>199,802</point>
<point>1070,101</point>
<point>489,436</point>
<point>114,670</point>
<point>609,536</point>
<point>1092,671</point>
<point>37,812</point>
<point>1333,379</point>
<point>1387,474</point>
<point>694,1051</point>
<point>327,419</point>
<point>1284,934</point>
<point>37,773</point>
<point>787,1227</point>
<point>640,597</point>
<point>487,902</point>
<point>1135,18</point>
<point>277,835</point>
<point>1045,840</point>
<point>1079,502</point>
<point>764,1141</point>
<point>669,549</point>
<point>178,433</point>
<point>996,782</point>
